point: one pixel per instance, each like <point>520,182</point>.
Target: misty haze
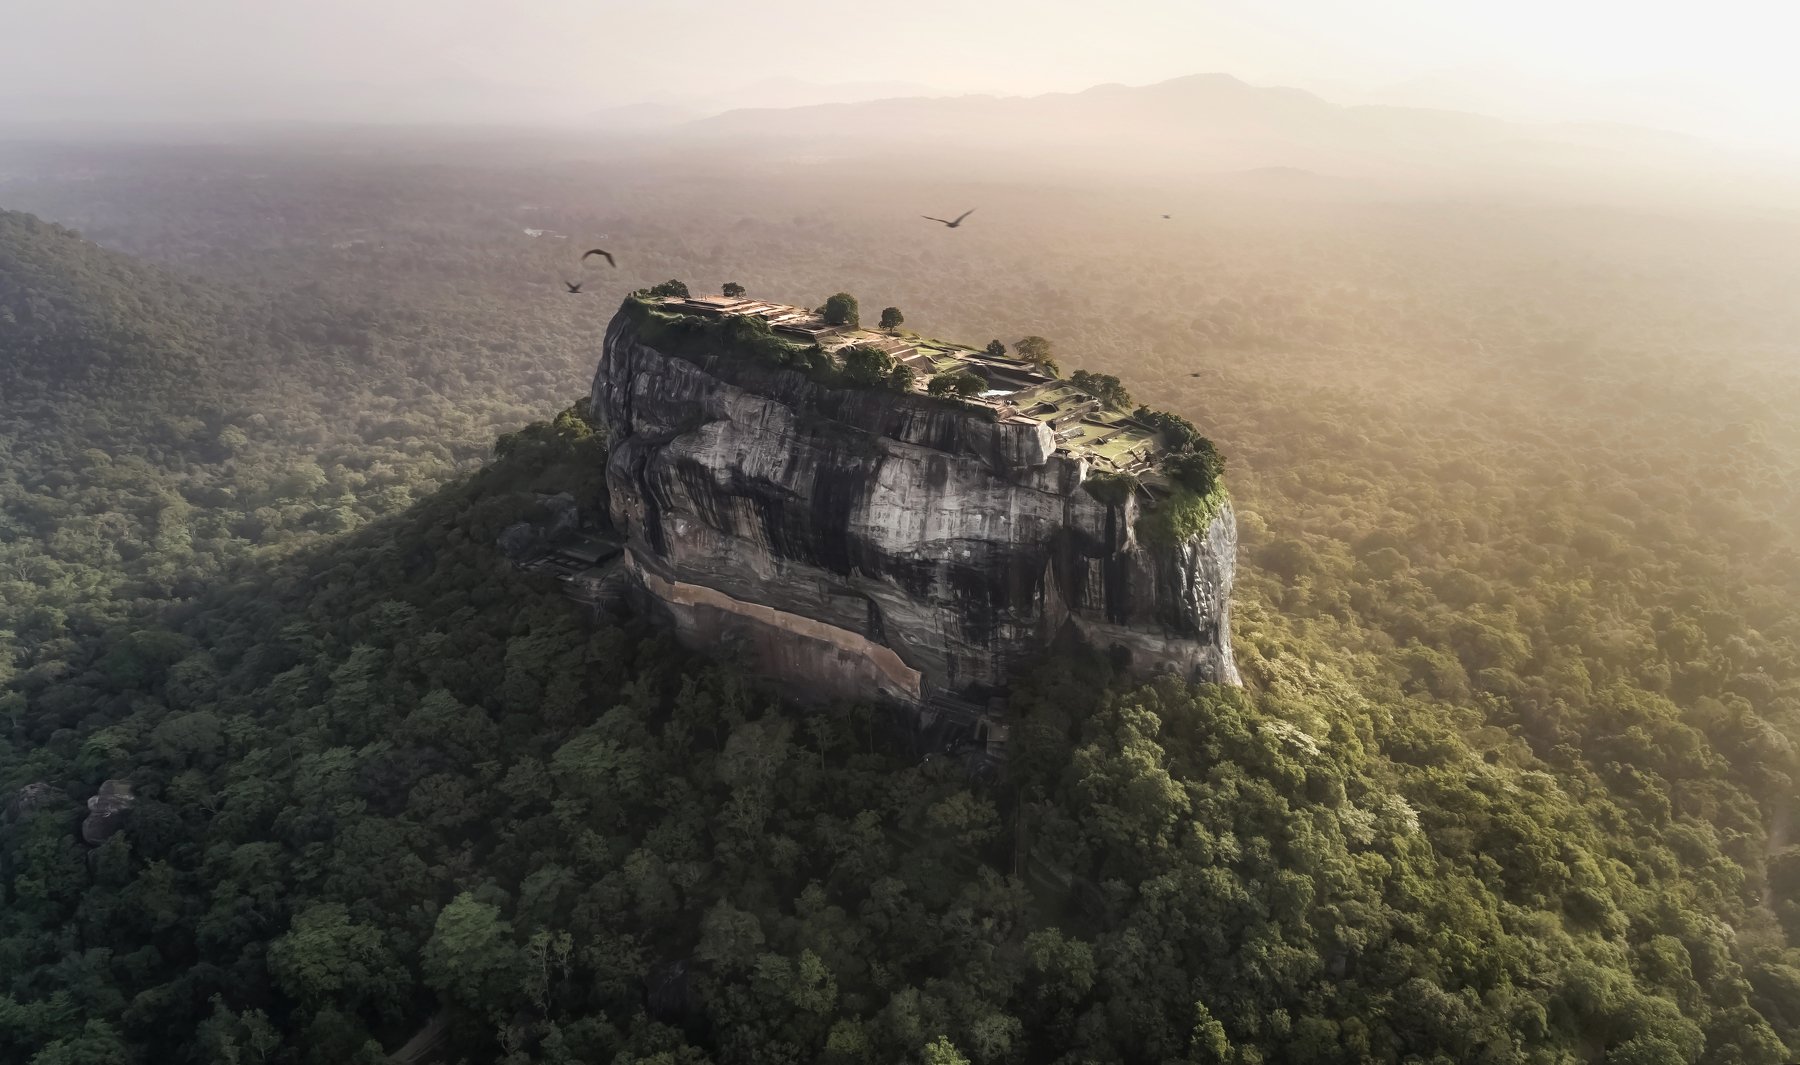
<point>1243,535</point>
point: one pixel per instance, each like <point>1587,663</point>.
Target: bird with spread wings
<point>948,222</point>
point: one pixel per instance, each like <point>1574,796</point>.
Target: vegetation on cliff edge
<point>693,337</point>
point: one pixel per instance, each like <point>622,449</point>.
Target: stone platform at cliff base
<point>864,542</point>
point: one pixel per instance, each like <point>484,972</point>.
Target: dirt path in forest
<point>427,1045</point>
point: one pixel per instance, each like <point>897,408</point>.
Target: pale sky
<point>1724,66</point>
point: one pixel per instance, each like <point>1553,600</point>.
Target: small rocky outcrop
<point>32,798</point>
<point>523,539</point>
<point>107,811</point>
<point>520,541</point>
<point>561,514</point>
<point>860,541</point>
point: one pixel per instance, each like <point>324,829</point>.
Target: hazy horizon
<point>1718,71</point>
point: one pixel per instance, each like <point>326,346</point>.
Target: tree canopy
<point>957,383</point>
<point>1033,349</point>
<point>840,309</point>
<point>1104,387</point>
<point>865,366</point>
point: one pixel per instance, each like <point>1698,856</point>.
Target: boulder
<point>563,515</point>
<point>107,811</point>
<point>519,541</point>
<point>32,798</point>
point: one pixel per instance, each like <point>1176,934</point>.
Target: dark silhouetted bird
<point>573,287</point>
<point>597,251</point>
<point>949,223</point>
<point>1168,216</point>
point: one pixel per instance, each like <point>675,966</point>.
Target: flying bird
<point>573,287</point>
<point>598,251</point>
<point>949,223</point>
<point>1167,216</point>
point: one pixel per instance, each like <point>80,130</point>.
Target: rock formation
<point>522,539</point>
<point>106,811</point>
<point>31,798</point>
<point>868,540</point>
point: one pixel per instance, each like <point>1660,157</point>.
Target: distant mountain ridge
<point>1207,123</point>
<point>767,94</point>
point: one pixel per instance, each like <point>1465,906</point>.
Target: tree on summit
<point>1033,349</point>
<point>1104,387</point>
<point>996,349</point>
<point>733,290</point>
<point>670,288</point>
<point>891,318</point>
<point>961,383</point>
<point>1177,432</point>
<point>1198,470</point>
<point>840,309</point>
<point>865,366</point>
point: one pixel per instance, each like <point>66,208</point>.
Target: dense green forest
<point>1510,779</point>
<point>154,430</point>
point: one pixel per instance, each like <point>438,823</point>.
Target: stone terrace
<point>1017,390</point>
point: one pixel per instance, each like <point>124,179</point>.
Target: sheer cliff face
<point>861,541</point>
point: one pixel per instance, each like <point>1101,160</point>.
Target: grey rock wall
<point>759,503</point>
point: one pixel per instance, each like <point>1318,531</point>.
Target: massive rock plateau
<point>863,541</point>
